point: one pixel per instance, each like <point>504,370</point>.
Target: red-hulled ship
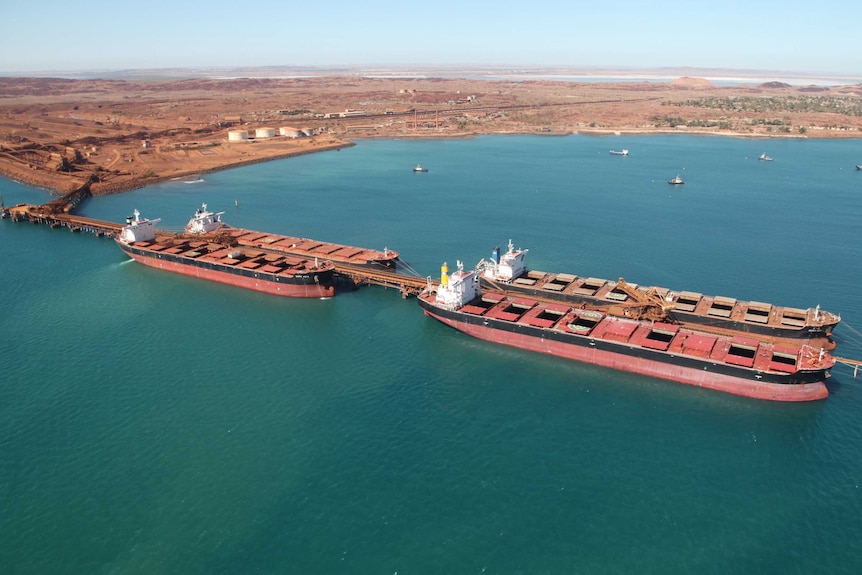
<point>205,222</point>
<point>723,315</point>
<point>212,259</point>
<point>733,364</point>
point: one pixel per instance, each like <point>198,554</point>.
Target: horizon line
<point>380,69</point>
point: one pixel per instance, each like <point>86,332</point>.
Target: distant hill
<point>687,82</point>
<point>774,85</point>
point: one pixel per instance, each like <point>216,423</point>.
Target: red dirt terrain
<point>115,135</point>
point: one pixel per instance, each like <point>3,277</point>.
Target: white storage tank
<point>264,133</point>
<point>237,136</point>
<point>289,132</point>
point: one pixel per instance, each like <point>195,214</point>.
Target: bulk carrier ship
<point>205,223</point>
<point>507,272</point>
<point>197,255</point>
<point>730,363</point>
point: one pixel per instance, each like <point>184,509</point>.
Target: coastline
<point>59,185</point>
<point>115,136</point>
<point>143,183</point>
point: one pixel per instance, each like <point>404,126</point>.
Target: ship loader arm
<point>647,304</point>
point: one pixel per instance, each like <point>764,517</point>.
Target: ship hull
<point>806,385</point>
<point>814,335</point>
<point>305,285</point>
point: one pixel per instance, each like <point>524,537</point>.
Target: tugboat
<point>764,158</point>
<point>676,181</point>
<point>419,168</point>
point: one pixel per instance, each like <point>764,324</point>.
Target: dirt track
<point>60,134</point>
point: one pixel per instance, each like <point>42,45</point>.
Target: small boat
<point>623,152</point>
<point>675,181</point>
<point>419,168</point>
<point>765,158</point>
<point>859,166</point>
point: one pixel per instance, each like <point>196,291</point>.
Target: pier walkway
<point>39,215</point>
<point>408,285</point>
<point>58,214</point>
<point>854,363</point>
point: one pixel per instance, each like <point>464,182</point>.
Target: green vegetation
<point>845,105</point>
<point>774,124</point>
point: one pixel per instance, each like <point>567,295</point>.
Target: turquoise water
<point>152,423</point>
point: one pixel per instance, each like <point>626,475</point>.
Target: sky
<point>62,36</point>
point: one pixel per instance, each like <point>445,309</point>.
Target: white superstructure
<point>204,221</point>
<point>457,290</point>
<point>138,229</point>
<point>505,267</point>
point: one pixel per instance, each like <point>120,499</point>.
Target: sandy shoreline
<point>58,185</point>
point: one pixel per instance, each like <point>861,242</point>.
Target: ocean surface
<point>152,423</point>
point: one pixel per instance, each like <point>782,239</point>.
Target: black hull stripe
<point>800,377</point>
<point>322,277</point>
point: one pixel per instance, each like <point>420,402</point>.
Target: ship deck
<point>243,258</point>
<point>313,248</point>
<point>713,309</point>
<point>737,350</point>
